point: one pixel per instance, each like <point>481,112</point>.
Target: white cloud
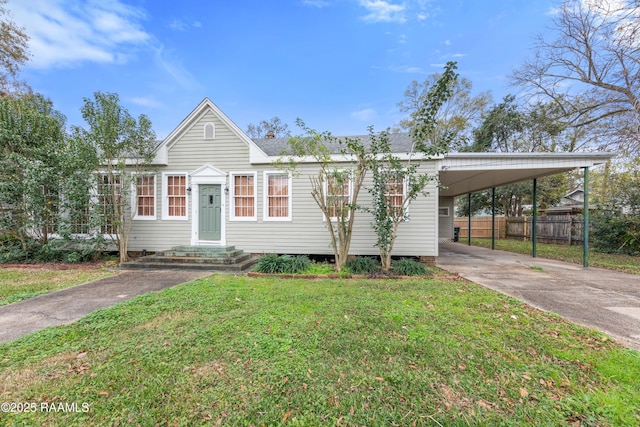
<point>146,102</point>
<point>172,65</point>
<point>180,25</point>
<point>364,115</point>
<point>67,32</point>
<point>383,11</point>
<point>315,3</point>
<point>407,69</point>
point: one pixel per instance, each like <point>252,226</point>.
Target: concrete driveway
<point>68,305</point>
<point>594,297</point>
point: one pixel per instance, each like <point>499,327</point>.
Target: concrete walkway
<point>68,305</point>
<point>594,297</point>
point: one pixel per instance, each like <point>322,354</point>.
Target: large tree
<point>125,148</point>
<point>13,50</point>
<point>33,156</point>
<point>273,127</point>
<point>399,181</point>
<point>336,186</point>
<point>457,117</point>
<point>589,65</point>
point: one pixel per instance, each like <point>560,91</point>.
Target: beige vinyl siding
<point>445,223</point>
<point>189,152</point>
<point>304,234</point>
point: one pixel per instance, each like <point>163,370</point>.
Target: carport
<point>467,173</point>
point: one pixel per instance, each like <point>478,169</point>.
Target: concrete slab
<point>603,299</point>
<point>68,305</point>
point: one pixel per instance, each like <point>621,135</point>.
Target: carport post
<point>534,225</point>
<point>585,215</point>
<point>469,222</point>
<point>493,218</point>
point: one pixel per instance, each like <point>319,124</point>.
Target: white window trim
<point>165,196</point>
<point>446,208</point>
<point>326,192</point>
<point>232,198</point>
<point>405,180</point>
<point>204,131</point>
<point>265,197</point>
<point>134,197</point>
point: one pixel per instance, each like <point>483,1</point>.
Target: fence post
<point>585,214</point>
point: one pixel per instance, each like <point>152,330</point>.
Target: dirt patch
<point>42,373</point>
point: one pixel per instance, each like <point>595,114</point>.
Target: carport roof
<point>462,173</point>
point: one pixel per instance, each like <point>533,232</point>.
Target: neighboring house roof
<point>400,143</point>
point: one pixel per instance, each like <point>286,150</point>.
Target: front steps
<point>204,258</point>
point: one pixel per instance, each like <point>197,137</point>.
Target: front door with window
<point>210,212</point>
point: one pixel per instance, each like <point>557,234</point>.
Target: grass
<point>241,351</point>
<point>21,283</point>
<point>573,254</point>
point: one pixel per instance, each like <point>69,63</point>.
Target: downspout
<point>534,226</point>
<point>469,222</point>
<point>493,218</point>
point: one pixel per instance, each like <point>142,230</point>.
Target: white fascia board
<point>335,158</point>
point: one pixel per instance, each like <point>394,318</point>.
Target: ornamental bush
<point>287,264</point>
<point>614,232</point>
<point>363,265</point>
<point>409,267</point>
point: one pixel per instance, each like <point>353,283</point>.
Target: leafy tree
<point>13,50</point>
<point>457,116</point>
<point>589,68</point>
<point>329,185</point>
<point>397,182</point>
<point>123,145</point>
<point>32,158</point>
<point>263,129</point>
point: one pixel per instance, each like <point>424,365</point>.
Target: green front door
<point>210,215</point>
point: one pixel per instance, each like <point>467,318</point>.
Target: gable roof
<point>201,109</point>
<point>400,143</point>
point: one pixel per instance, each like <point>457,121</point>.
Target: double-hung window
<point>174,187</point>
<point>109,202</point>
<point>243,197</point>
<point>277,196</point>
<point>338,193</point>
<point>144,196</point>
<point>395,192</point>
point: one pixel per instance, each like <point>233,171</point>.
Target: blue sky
<point>340,65</point>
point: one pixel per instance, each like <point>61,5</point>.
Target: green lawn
<point>624,263</point>
<point>17,284</point>
<point>241,351</point>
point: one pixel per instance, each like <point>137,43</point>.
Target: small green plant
<point>297,264</point>
<point>537,268</point>
<point>276,264</point>
<point>319,268</point>
<point>363,265</point>
<point>409,267</point>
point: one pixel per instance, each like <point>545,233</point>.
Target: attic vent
<point>270,134</point>
<point>209,131</point>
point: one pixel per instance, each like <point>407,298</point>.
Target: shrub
<point>363,265</point>
<point>275,264</point>
<point>409,267</point>
<point>613,232</point>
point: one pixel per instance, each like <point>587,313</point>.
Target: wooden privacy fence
<point>480,226</point>
<point>559,229</point>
